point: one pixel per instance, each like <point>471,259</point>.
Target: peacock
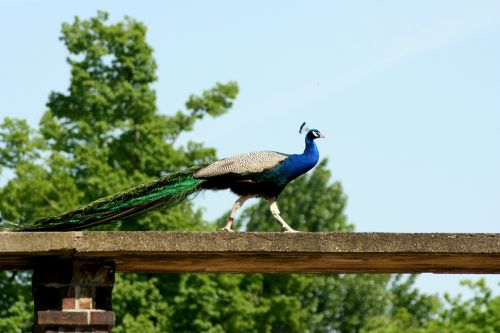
<point>261,174</point>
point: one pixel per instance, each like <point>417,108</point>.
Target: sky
<point>407,94</point>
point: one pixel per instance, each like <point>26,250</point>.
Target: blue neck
<point>311,149</point>
<point>299,164</point>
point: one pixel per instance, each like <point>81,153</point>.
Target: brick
<point>69,318</point>
<point>106,318</point>
<point>85,303</point>
<point>68,303</point>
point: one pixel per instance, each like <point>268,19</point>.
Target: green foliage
<point>479,314</point>
<point>211,303</point>
<point>16,309</point>
<point>17,142</point>
<point>406,300</point>
<point>139,306</point>
<point>39,190</point>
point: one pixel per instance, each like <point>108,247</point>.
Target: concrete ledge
<point>260,252</point>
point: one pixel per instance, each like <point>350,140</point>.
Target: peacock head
<point>312,134</point>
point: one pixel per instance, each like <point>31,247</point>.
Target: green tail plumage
<point>167,191</point>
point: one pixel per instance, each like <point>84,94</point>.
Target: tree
<point>480,313</point>
<point>16,311</point>
<point>102,136</point>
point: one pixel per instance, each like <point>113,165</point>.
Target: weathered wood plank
<point>261,252</point>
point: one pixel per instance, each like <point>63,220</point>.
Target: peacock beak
<point>321,135</point>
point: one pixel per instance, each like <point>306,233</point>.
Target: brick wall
<point>73,295</point>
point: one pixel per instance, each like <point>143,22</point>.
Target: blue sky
<point>406,93</point>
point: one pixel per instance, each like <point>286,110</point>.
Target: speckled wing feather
<point>242,164</point>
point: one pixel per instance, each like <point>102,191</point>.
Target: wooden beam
<point>250,252</point>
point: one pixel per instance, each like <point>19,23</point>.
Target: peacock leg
<point>273,206</point>
<point>241,200</point>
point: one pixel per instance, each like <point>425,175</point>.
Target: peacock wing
<point>242,164</point>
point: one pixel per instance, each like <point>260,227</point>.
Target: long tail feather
<point>167,191</point>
